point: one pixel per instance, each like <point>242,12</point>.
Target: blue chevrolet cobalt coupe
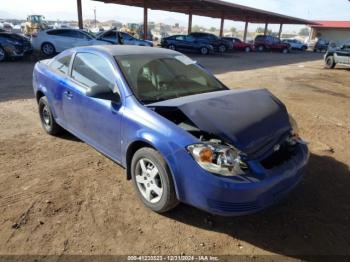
<point>181,134</point>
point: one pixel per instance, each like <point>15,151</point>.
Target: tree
<point>233,30</point>
<point>212,29</point>
<point>304,31</point>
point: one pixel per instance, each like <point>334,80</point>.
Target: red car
<point>270,43</point>
<point>239,44</point>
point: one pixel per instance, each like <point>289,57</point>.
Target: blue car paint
<point>112,129</point>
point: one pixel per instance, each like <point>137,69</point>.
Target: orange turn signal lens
<point>206,155</point>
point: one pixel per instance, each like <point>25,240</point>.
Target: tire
<point>222,48</point>
<point>172,47</point>
<point>156,190</point>
<point>2,54</point>
<point>48,49</point>
<point>330,63</point>
<point>285,50</point>
<point>204,50</point>
<point>247,49</point>
<point>47,120</point>
<point>304,48</point>
<point>261,48</point>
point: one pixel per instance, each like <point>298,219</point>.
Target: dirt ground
<point>60,196</point>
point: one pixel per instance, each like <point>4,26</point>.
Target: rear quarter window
<point>61,64</point>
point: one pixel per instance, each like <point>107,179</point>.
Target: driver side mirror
<point>102,92</point>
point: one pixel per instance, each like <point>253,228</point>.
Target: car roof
<point>120,50</point>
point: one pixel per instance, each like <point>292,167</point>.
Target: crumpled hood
<point>249,119</point>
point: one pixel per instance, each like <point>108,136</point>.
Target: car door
<point>110,36</point>
<point>80,39</point>
<point>97,121</point>
<point>342,55</point>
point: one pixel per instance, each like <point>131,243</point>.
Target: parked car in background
<point>295,44</point>
<point>181,134</point>
<point>121,38</point>
<point>13,46</point>
<point>320,45</point>
<point>53,41</point>
<point>239,45</point>
<point>219,44</point>
<point>186,43</point>
<point>339,55</point>
<point>270,43</point>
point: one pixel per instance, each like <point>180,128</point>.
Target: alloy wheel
<point>48,49</point>
<point>148,180</point>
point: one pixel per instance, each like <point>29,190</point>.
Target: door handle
<point>68,94</point>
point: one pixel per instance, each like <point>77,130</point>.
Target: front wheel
<point>330,63</point>
<point>247,49</point>
<point>222,49</point>
<point>153,181</point>
<point>285,50</point>
<point>2,54</point>
<point>261,48</point>
<point>47,119</point>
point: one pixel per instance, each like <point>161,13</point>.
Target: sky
<point>66,10</point>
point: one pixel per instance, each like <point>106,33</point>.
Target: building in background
<point>333,31</point>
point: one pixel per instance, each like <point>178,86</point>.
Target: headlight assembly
<point>218,158</point>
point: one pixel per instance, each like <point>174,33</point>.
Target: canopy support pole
<point>266,27</point>
<point>145,21</point>
<point>245,32</point>
<point>280,32</point>
<point>189,30</point>
<point>80,14</point>
<point>222,26</point>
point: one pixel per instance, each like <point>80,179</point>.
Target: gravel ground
<point>60,196</point>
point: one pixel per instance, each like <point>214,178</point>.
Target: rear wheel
<point>330,63</point>
<point>285,50</point>
<point>2,54</point>
<point>152,180</point>
<point>48,49</point>
<point>172,47</point>
<point>247,49</point>
<point>47,120</point>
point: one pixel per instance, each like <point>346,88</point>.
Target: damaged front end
<point>230,133</point>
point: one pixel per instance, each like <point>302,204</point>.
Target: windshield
<point>155,79</point>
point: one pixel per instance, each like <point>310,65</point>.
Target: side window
<point>61,64</point>
<point>180,38</point>
<point>66,33</point>
<point>80,35</point>
<point>53,32</point>
<point>92,70</point>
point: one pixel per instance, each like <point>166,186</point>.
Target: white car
<point>54,41</point>
<point>295,44</point>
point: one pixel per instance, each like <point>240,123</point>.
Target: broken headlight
<point>218,158</point>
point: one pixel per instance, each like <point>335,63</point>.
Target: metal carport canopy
<point>214,9</point>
